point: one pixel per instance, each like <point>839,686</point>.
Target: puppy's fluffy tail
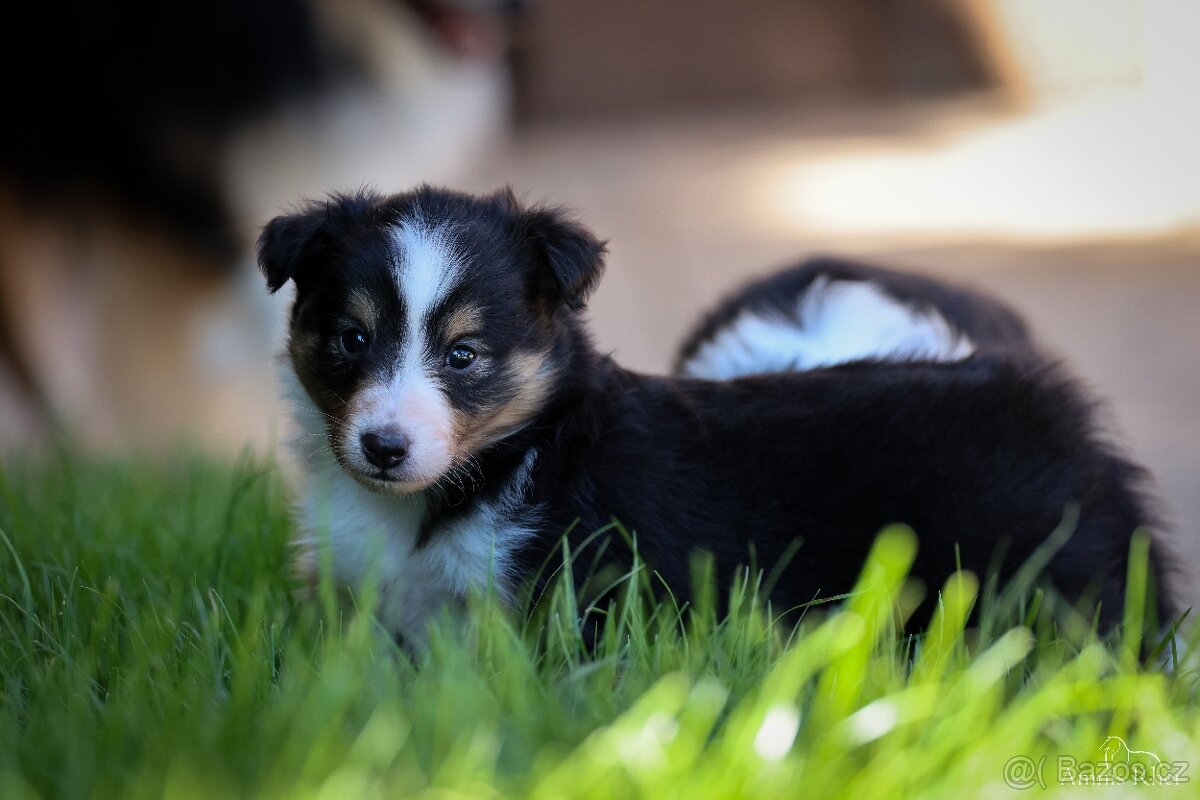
<point>827,311</point>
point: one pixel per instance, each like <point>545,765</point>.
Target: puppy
<point>456,423</point>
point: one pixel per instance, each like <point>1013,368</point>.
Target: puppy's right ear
<point>284,244</point>
<point>290,242</point>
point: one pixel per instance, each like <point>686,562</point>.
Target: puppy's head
<point>427,325</point>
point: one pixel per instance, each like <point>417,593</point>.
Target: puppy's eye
<point>353,341</point>
<point>460,357</point>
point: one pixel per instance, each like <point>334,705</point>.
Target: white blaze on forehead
<point>410,399</point>
<point>425,267</point>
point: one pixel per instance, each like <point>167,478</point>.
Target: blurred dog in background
<point>144,145</point>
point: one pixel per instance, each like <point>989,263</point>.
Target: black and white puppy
<point>456,423</point>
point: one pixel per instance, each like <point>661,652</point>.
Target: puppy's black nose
<point>385,449</point>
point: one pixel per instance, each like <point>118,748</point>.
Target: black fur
<point>982,459</point>
<point>291,242</point>
<point>570,254</point>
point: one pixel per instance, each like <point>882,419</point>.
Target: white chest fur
<point>366,537</point>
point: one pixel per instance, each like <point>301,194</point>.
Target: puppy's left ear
<point>570,258</point>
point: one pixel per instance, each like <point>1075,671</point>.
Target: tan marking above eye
<point>463,321</point>
<point>472,433</point>
<point>363,307</point>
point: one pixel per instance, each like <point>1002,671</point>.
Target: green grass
<point>150,646</point>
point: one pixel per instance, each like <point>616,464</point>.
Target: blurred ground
<point>692,207</point>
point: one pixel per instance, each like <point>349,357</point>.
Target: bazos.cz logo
<point>1118,764</point>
